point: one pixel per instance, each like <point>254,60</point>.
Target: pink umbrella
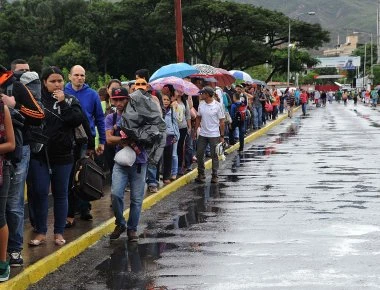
<point>179,84</point>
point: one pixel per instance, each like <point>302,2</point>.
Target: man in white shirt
<point>210,118</point>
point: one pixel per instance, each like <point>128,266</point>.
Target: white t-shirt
<point>211,114</point>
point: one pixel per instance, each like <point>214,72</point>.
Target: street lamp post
<point>289,29</point>
<point>365,53</point>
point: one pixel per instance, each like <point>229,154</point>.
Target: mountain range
<point>339,17</point>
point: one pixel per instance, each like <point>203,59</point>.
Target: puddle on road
<point>128,265</point>
<point>367,117</point>
<point>255,151</point>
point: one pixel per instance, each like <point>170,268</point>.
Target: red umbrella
<point>224,77</point>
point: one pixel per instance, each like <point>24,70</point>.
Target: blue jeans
<point>15,203</point>
<point>257,116</point>
<point>41,179</point>
<point>121,175</point>
<point>189,151</point>
<point>235,125</point>
<point>304,108</point>
<point>151,175</point>
<point>175,159</point>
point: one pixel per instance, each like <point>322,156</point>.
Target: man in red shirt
<point>304,100</point>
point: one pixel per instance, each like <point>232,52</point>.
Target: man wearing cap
<point>119,99</point>
<point>123,175</point>
<point>210,118</point>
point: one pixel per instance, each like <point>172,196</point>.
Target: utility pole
<point>378,34</point>
<point>178,31</point>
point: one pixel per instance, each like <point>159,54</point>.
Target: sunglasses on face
<point>140,84</point>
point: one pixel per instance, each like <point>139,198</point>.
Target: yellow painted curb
<point>43,267</point>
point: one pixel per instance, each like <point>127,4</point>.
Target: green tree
<point>232,35</point>
<point>72,53</point>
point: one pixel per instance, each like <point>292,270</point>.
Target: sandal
<point>174,177</point>
<point>59,240</point>
<point>37,242</point>
<point>166,181</point>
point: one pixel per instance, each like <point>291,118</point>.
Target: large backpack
<point>37,139</point>
<point>241,113</point>
<point>142,122</point>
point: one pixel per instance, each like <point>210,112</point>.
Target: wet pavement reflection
<point>298,209</point>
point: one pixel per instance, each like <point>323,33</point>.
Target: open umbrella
<point>241,75</point>
<point>204,70</point>
<point>258,82</point>
<point>224,77</point>
<point>179,70</point>
<point>179,84</point>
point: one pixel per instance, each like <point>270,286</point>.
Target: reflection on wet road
<point>298,209</point>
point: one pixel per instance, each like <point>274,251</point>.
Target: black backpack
<point>88,179</point>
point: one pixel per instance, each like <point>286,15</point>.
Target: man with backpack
<point>141,136</point>
<point>32,113</point>
<point>92,108</point>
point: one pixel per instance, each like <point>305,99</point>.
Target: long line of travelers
<point>51,109</point>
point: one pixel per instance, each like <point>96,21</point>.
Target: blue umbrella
<point>180,70</point>
<point>241,75</point>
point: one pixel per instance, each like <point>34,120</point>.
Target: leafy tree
<point>232,35</point>
<point>72,53</point>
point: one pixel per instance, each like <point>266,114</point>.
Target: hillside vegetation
<point>340,17</point>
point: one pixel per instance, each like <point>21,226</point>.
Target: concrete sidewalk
<point>42,260</point>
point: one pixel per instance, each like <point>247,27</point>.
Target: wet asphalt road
<point>299,209</point>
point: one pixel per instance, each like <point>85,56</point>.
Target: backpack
<point>88,180</point>
<point>142,122</point>
<point>32,83</point>
<point>241,113</point>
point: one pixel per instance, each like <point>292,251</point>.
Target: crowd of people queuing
<point>195,125</point>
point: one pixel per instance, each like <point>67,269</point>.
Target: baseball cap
<point>118,93</point>
<point>207,90</point>
<point>141,84</point>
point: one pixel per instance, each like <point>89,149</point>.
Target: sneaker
<point>117,232</point>
<point>132,236</point>
<point>200,178</point>
<point>15,259</point>
<point>86,216</point>
<point>152,189</point>
<point>5,271</point>
<point>214,179</point>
